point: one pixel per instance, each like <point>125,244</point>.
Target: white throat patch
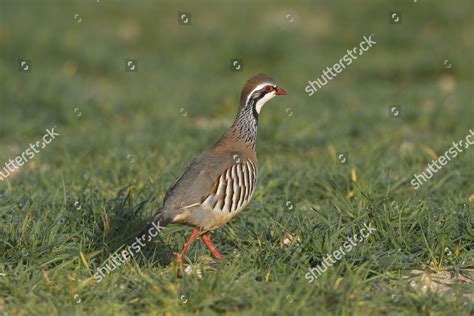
<point>264,100</point>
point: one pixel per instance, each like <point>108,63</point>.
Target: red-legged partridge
<point>220,182</point>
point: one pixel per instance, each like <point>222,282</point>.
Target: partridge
<point>220,182</point>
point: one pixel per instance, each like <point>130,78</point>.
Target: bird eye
<point>268,88</point>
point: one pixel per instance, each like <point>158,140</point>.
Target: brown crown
<point>251,84</point>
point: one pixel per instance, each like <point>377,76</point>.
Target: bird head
<point>258,90</point>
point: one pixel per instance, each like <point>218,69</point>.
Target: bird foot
<point>179,265</point>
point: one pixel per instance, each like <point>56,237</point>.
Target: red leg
<point>207,241</point>
<point>194,235</point>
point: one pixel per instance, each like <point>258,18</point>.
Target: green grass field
<point>125,136</point>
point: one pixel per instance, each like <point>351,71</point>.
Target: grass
<point>125,137</point>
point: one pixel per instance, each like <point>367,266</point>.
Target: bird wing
<point>196,181</point>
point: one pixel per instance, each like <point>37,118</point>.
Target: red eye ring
<point>268,89</point>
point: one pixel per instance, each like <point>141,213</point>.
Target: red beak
<point>280,91</point>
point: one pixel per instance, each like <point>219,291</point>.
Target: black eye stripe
<point>257,95</point>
